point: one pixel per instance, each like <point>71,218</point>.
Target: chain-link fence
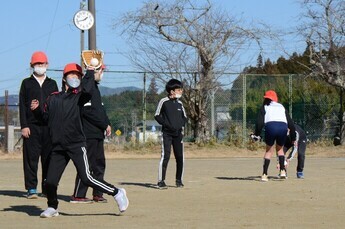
<point>130,99</point>
<point>313,104</point>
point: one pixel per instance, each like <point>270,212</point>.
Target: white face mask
<point>177,96</point>
<point>73,82</point>
<point>40,70</point>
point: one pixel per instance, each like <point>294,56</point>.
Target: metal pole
<point>244,105</point>
<point>6,121</point>
<point>212,113</point>
<point>341,115</point>
<point>82,37</point>
<point>92,31</point>
<point>81,47</point>
<point>144,109</point>
<point>290,96</point>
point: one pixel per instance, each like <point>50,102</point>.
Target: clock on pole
<point>83,20</point>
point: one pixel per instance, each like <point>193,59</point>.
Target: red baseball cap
<point>38,57</point>
<point>272,95</point>
<point>72,67</point>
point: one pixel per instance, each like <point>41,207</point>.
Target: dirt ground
<point>222,190</point>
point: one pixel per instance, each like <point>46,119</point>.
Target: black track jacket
<point>171,115</point>
<point>30,90</point>
<point>94,117</point>
<point>62,113</point>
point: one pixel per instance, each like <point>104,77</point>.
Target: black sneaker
<point>162,185</point>
<point>179,184</point>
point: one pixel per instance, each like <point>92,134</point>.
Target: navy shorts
<point>275,132</point>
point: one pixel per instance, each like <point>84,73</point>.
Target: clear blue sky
<point>28,26</point>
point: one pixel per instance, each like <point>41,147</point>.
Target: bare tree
<point>324,30</point>
<point>189,40</point>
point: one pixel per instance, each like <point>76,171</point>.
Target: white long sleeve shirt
<point>275,112</point>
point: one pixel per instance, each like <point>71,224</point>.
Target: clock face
<point>83,19</point>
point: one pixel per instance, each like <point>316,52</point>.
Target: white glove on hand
<point>255,138</point>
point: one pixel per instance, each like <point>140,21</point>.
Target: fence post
<point>244,105</point>
<point>290,96</point>
<point>6,121</point>
<point>144,109</point>
<point>212,113</point>
<point>10,139</point>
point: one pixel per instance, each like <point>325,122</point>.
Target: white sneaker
<point>282,174</point>
<point>264,178</point>
<point>49,212</point>
<point>122,200</point>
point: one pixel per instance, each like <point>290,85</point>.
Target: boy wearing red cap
<point>276,120</point>
<point>36,141</point>
<point>62,113</point>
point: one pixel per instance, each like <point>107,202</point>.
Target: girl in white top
<point>274,117</point>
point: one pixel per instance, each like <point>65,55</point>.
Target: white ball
<point>94,62</point>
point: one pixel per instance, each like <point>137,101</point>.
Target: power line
<point>52,25</point>
<point>30,41</point>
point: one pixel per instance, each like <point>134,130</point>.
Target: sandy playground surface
<point>222,190</point>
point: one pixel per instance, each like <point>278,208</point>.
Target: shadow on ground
<point>35,211</point>
<point>21,194</point>
<point>13,193</point>
<point>145,185</point>
<point>28,209</point>
<point>249,178</point>
<point>93,214</point>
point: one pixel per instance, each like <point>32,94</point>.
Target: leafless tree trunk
<point>188,41</point>
<point>324,29</point>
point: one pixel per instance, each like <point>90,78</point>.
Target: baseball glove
<point>89,56</point>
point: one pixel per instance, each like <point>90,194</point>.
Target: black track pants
<point>58,163</point>
<point>36,146</point>
<point>95,154</point>
<point>302,146</point>
<point>177,145</point>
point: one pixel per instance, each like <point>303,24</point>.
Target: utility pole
<point>92,31</point>
<point>144,109</point>
<point>6,121</point>
<point>82,35</point>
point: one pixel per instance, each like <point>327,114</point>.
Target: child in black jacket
<point>62,112</point>
<point>172,116</point>
<point>96,125</point>
<point>36,141</point>
<point>299,146</point>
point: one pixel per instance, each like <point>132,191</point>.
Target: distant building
<point>150,124</point>
<point>223,114</point>
<point>152,131</point>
